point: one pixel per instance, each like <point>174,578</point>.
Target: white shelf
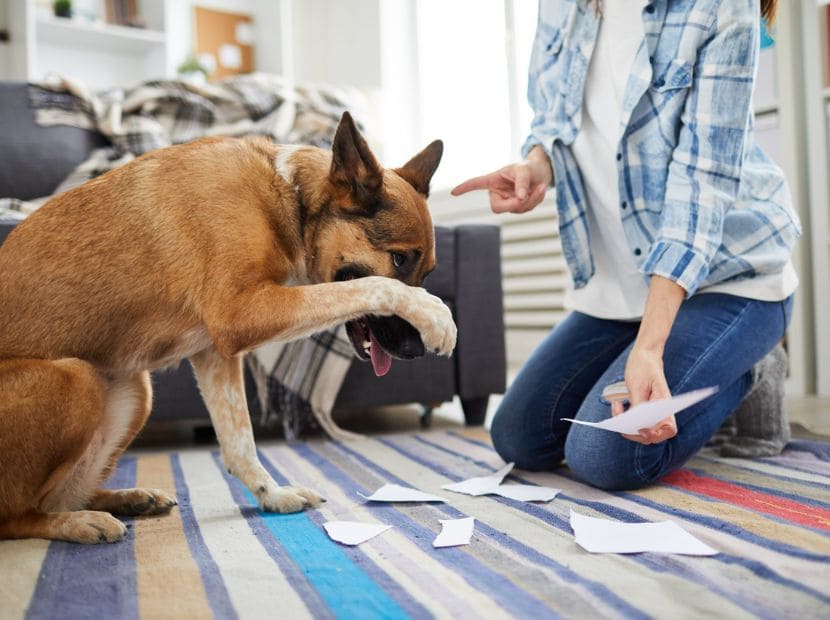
<point>767,108</point>
<point>58,31</point>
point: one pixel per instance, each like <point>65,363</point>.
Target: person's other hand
<point>516,188</point>
<point>645,380</point>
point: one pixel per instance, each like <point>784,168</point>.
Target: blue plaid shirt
<point>700,202</point>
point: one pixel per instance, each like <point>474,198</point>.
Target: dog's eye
<point>398,259</point>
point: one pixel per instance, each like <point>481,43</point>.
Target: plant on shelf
<point>192,70</point>
<point>62,8</point>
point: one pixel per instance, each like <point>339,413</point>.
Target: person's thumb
<point>521,182</point>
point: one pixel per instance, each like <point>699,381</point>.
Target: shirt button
<point>660,82</point>
<point>650,8</point>
<point>624,204</point>
<point>619,156</point>
<point>637,251</point>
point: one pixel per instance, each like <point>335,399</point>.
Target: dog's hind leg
<point>129,403</point>
<point>221,382</point>
<point>51,415</point>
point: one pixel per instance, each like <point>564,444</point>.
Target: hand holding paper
<point>647,414</point>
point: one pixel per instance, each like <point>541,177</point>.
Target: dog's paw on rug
<point>133,502</point>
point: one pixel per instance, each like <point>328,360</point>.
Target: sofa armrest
<point>5,229</point>
<point>35,159</point>
<point>480,359</point>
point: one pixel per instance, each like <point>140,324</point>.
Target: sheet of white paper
<point>454,532</point>
<point>647,414</point>
<point>604,536</point>
<point>396,493</point>
<point>482,485</point>
<point>526,492</point>
<point>353,532</point>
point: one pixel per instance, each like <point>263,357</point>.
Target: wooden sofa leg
<point>475,410</point>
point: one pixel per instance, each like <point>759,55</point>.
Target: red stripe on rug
<point>783,508</point>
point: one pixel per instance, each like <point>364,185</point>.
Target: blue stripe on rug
<point>215,589</point>
<point>90,581</point>
<point>478,575</point>
<point>321,560</point>
<point>757,568</point>
<point>293,574</point>
<point>404,599</point>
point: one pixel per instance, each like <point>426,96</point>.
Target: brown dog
<point>199,251</point>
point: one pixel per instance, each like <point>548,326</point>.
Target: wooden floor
<point>809,416</point>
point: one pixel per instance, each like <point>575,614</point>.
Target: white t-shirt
<point>618,290</point>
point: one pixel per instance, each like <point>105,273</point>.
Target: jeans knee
<point>604,464</point>
<point>516,444</point>
<point>503,440</point>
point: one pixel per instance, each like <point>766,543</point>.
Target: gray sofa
<point>34,160</point>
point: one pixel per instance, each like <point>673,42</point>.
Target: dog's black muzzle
<point>396,337</point>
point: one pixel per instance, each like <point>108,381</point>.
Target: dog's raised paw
<point>433,319</point>
<point>287,499</point>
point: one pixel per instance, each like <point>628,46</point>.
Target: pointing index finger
<point>482,182</point>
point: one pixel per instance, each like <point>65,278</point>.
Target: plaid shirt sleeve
<point>704,173</point>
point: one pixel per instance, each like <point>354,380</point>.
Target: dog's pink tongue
<point>381,360</point>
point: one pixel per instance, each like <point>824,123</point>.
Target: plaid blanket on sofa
<point>297,382</point>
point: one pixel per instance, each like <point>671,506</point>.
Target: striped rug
<point>217,555</point>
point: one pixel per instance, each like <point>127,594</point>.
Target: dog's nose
<point>410,348</point>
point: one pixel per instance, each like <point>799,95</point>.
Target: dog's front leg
<point>221,382</point>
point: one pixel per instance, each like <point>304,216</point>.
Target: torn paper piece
<point>483,485</point>
<point>492,485</point>
<point>604,536</point>
<point>353,532</point>
<point>395,493</point>
<point>649,413</point>
<point>526,492</point>
<point>454,532</point>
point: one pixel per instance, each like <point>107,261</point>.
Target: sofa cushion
<point>34,159</point>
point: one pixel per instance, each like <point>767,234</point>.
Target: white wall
<point>337,42</point>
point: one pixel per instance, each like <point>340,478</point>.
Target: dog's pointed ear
<point>352,163</point>
<point>418,171</point>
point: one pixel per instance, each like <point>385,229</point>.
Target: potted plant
<point>62,8</point>
<point>193,71</point>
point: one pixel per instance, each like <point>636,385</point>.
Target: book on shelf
<point>123,13</point>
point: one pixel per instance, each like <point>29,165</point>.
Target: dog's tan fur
<point>200,251</point>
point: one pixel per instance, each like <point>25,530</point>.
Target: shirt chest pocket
<point>674,76</point>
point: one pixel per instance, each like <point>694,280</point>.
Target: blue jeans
<point>715,340</point>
